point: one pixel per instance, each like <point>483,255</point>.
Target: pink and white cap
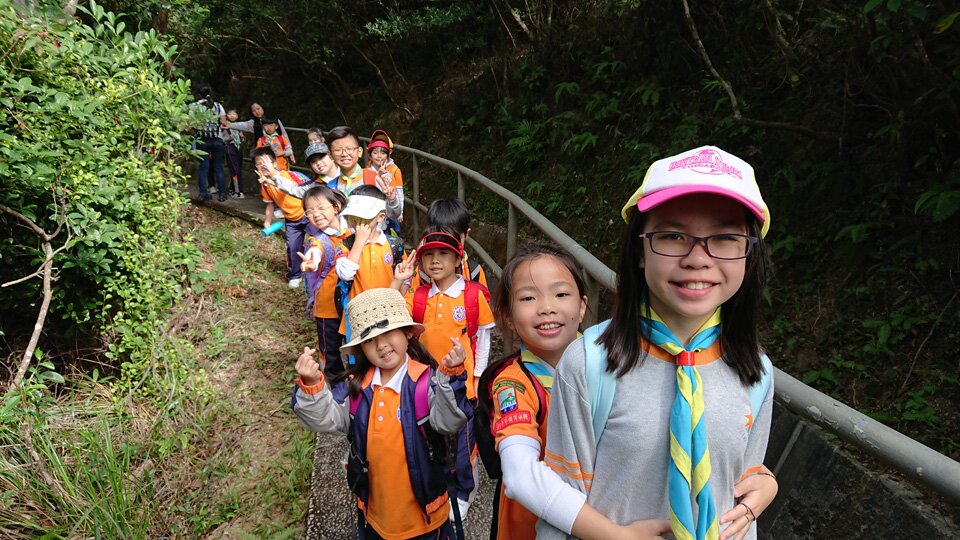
<point>707,169</point>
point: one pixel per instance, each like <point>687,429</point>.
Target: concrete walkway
<point>331,513</point>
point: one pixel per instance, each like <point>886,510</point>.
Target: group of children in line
<point>651,424</point>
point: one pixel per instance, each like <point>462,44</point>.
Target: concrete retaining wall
<point>826,493</point>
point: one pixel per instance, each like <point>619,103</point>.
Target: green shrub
<point>93,130</point>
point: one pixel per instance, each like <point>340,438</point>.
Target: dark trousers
<point>462,482</point>
<point>445,532</point>
<point>328,343</point>
<point>235,162</point>
<point>295,232</point>
<point>212,160</point>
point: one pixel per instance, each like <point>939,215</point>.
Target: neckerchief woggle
<point>689,469</point>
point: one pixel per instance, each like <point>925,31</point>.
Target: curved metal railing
<point>913,459</point>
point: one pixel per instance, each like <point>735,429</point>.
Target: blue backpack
<point>602,384</point>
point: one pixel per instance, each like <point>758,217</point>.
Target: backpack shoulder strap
<point>420,303</point>
<point>541,391</point>
<point>758,390</point>
<point>421,400</point>
<point>601,383</point>
<point>329,254</point>
<point>473,269</point>
<point>471,302</point>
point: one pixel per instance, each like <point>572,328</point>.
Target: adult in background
<point>255,125</point>
<point>209,139</point>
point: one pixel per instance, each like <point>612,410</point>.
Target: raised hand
<point>307,368</point>
<point>363,231</point>
<point>384,179</point>
<point>406,269</point>
<point>455,356</point>
<point>308,264</point>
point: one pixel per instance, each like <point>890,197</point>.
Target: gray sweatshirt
<point>629,465</point>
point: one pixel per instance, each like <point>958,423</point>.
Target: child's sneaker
<point>295,283</point>
<point>278,214</point>
<point>238,195</point>
<point>213,189</point>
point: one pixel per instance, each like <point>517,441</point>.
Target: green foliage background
<point>848,111</point>
<point>93,119</point>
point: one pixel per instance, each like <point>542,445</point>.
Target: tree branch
<point>46,270</point>
<point>734,104</point>
<point>383,82</point>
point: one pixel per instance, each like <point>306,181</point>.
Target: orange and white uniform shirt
<point>516,409</point>
<point>374,271</point>
<point>445,317</point>
<point>291,206</point>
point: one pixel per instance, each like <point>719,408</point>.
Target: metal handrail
<point>914,459</point>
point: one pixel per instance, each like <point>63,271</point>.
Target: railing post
<point>416,199</point>
<point>511,231</point>
<point>461,188</point>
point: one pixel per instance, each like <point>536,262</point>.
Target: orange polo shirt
<point>376,267</point>
<point>291,206</point>
<point>323,304</point>
<point>446,317</point>
<point>515,409</point>
<point>392,509</point>
<point>279,144</point>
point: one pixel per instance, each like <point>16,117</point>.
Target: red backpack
<point>471,302</point>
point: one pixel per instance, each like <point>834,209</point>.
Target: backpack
<point>314,279</point>
<point>471,302</point>
<point>486,442</point>
<point>602,384</point>
<point>209,129</point>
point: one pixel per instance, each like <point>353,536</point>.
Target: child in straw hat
<point>400,403</point>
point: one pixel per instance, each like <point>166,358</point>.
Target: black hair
<point>451,213</point>
<point>205,91</point>
<point>333,196</point>
<point>269,120</point>
<point>354,374</point>
<point>264,151</point>
<point>318,132</point>
<point>501,300</point>
<point>342,132</point>
<point>228,109</point>
<point>738,333</point>
<point>369,191</point>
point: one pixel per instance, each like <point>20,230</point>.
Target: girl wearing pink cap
<point>663,412</point>
<point>389,178</point>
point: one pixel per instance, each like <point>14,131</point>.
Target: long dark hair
<point>502,296</point>
<point>738,333</point>
<point>355,374</point>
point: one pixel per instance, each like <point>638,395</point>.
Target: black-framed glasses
<point>379,324</point>
<point>344,151</point>
<point>725,247</point>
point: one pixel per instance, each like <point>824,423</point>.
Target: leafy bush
<point>94,126</point>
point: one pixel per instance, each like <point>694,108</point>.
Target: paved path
<point>331,514</point>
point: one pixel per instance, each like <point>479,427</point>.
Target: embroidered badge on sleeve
<point>507,400</point>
